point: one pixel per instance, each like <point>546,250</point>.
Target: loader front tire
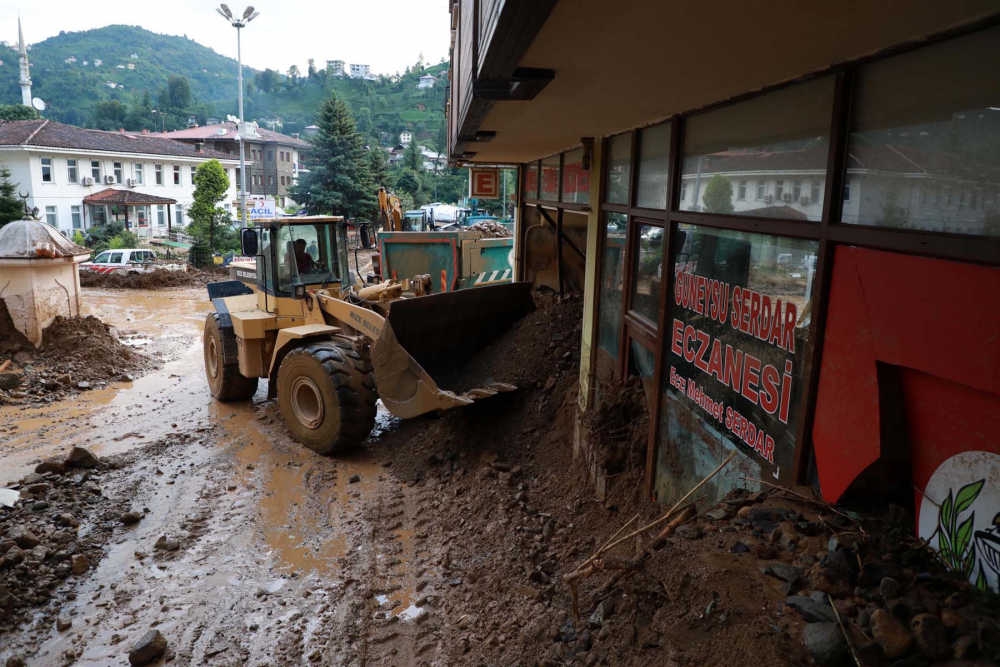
<point>224,380</point>
<point>326,392</point>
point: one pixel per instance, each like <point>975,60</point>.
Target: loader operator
<point>303,260</point>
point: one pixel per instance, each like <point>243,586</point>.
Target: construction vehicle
<point>330,347</point>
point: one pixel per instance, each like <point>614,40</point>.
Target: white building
<point>432,161</point>
<point>80,178</point>
<point>360,71</point>
<point>130,66</point>
<point>97,62</point>
<point>335,68</point>
<point>70,60</point>
<point>134,55</point>
<point>405,138</point>
<point>426,81</point>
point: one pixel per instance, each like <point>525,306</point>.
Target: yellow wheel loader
<point>331,347</point>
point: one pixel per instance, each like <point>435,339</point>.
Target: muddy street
<point>443,540</point>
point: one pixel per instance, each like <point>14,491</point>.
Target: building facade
<point>78,178</point>
<point>273,159</point>
<point>335,68</point>
<point>770,249</point>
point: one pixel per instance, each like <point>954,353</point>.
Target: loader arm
<point>406,389</point>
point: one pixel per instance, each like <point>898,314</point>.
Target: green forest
<point>179,78</point>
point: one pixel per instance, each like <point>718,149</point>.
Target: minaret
<point>23,61</point>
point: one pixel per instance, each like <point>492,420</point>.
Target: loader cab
<point>300,253</point>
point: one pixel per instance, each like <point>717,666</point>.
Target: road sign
<point>261,209</point>
<point>484,183</point>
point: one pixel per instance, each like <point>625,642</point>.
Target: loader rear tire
<point>327,395</point>
<point>224,380</point>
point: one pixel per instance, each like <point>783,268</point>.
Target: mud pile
<point>77,354</point>
<point>53,532</point>
<point>154,280</point>
<point>746,582</point>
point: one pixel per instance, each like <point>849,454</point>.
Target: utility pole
<point>248,15</point>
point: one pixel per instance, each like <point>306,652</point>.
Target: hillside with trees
<point>179,78</point>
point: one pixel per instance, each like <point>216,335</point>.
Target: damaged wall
<point>36,291</point>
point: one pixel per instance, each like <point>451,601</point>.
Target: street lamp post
<point>248,15</point>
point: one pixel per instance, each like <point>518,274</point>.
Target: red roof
<point>227,132</point>
<point>50,134</point>
<point>126,197</point>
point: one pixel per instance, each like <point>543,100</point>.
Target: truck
<point>130,260</point>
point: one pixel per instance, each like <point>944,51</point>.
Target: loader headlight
<point>300,291</point>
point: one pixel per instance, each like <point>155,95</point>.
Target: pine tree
<point>378,167</point>
<point>11,206</point>
<point>339,181</point>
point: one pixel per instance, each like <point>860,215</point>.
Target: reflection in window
<point>531,181</point>
<point>609,325</point>
<point>550,178</point>
<point>927,122</point>
<point>619,168</point>
<point>654,165</point>
<point>575,179</point>
<point>646,272</point>
<point>777,140</point>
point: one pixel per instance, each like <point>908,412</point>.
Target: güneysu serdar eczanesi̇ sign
<point>732,351</point>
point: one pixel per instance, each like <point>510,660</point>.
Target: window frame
<point>48,173</point>
<point>118,169</point>
<point>72,170</point>
<point>158,174</point>
<point>137,173</point>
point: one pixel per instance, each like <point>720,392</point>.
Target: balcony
<point>489,38</point>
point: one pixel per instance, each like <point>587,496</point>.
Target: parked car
<point>130,260</point>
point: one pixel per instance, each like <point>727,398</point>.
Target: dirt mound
<point>154,280</point>
<point>54,531</point>
<point>77,354</point>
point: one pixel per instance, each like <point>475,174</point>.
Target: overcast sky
<point>386,34</point>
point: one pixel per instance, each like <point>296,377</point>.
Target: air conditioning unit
<point>86,180</point>
<point>786,197</point>
<point>110,179</point>
<point>804,201</point>
<point>132,182</point>
<point>768,198</point>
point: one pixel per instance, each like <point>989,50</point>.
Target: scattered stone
<point>24,538</point>
<point>149,647</point>
<point>739,548</point>
<point>812,610</point>
<point>744,512</point>
<point>83,385</point>
<point>890,635</point>
<point>354,479</point>
<point>82,458</point>
<point>888,588</point>
<point>784,571</point>
<point>51,465</point>
<point>64,379</point>
<point>63,622</point>
<point>718,513</point>
<point>131,518</point>
<point>962,648</point>
<point>165,543</point>
<point>825,643</point>
<point>690,531</point>
<point>15,661</point>
<point>930,635</point>
<point>79,563</point>
<point>9,380</point>
<point>567,633</point>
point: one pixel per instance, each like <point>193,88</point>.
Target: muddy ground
<point>442,541</point>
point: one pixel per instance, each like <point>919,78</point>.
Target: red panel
<point>846,426</point>
<point>937,317</point>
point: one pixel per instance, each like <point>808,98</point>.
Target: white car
<point>129,260</point>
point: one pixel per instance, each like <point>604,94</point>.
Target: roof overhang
<point>620,65</point>
<point>96,153</point>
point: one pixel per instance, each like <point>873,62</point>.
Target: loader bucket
<point>426,342</point>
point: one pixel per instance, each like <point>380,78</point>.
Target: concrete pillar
<point>592,280</point>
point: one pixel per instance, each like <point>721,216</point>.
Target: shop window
<point>575,179</point>
<point>550,178</point>
<point>643,362</point>
<point>780,132</point>
<point>531,181</point>
<point>929,112</point>
<point>646,272</point>
<point>736,351</point>
<point>610,313</point>
<point>654,167</point>
<point>619,168</point>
